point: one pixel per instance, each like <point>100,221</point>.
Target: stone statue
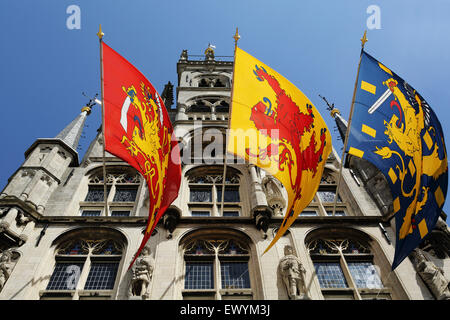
<point>22,219</point>
<point>142,271</point>
<point>273,193</point>
<point>184,55</point>
<point>5,267</point>
<point>432,275</point>
<point>292,272</point>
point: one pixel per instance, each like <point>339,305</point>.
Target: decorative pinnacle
<point>236,37</point>
<point>100,33</point>
<point>364,39</point>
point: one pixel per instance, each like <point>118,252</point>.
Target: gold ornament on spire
<point>364,39</point>
<point>236,37</point>
<point>100,33</point>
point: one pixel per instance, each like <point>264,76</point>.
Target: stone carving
<point>184,55</point>
<point>22,219</point>
<point>433,276</point>
<point>6,265</point>
<point>142,271</point>
<point>292,273</point>
<point>274,196</point>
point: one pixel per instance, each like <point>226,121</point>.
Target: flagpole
<point>363,42</point>
<point>236,38</point>
<point>100,35</point>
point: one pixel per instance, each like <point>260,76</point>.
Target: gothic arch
<point>363,243</point>
<point>228,246</point>
<point>94,233</point>
<point>215,233</point>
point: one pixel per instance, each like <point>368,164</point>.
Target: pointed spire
<point>71,134</point>
<point>336,114</point>
<point>341,123</point>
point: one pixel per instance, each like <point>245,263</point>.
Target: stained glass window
<point>231,194</point>
<point>365,275</point>
<point>199,275</point>
<point>125,194</point>
<point>120,213</point>
<point>65,276</point>
<point>91,213</point>
<point>328,196</point>
<point>200,213</point>
<point>95,193</point>
<point>200,195</point>
<point>234,275</point>
<point>330,275</point>
<point>102,276</point>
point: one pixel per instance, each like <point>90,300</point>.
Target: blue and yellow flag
<point>394,128</point>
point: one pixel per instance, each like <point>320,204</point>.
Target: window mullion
<point>320,206</point>
<point>83,277</point>
<point>348,275</point>
<point>217,274</point>
<point>216,205</point>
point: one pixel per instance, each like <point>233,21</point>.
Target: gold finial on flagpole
<point>100,33</point>
<point>236,37</point>
<point>364,39</point>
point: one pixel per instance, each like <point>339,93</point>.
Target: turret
<point>29,188</point>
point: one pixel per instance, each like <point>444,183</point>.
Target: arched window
<point>86,265</point>
<point>217,267</point>
<point>205,191</point>
<point>123,185</point>
<point>344,266</point>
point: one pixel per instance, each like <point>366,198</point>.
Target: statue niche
<point>274,196</point>
<point>292,273</point>
<point>141,274</point>
<point>8,260</point>
<point>432,275</point>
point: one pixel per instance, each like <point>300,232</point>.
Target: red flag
<point>138,130</point>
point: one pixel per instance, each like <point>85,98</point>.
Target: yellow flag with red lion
<point>274,126</point>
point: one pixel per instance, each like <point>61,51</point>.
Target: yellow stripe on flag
<point>428,140</point>
<point>423,229</point>
<point>392,175</point>
<point>411,168</point>
<point>384,68</point>
<point>368,130</point>
<point>368,87</point>
<point>439,195</point>
<point>396,204</point>
<point>356,152</point>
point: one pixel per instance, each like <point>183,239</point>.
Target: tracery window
<point>205,192</point>
<point>122,191</point>
<point>216,269</point>
<point>345,270</point>
<point>84,267</point>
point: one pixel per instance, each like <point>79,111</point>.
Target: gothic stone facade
<point>56,241</point>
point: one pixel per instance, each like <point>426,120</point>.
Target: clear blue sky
<point>44,66</point>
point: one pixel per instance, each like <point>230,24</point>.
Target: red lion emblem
<point>292,125</point>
